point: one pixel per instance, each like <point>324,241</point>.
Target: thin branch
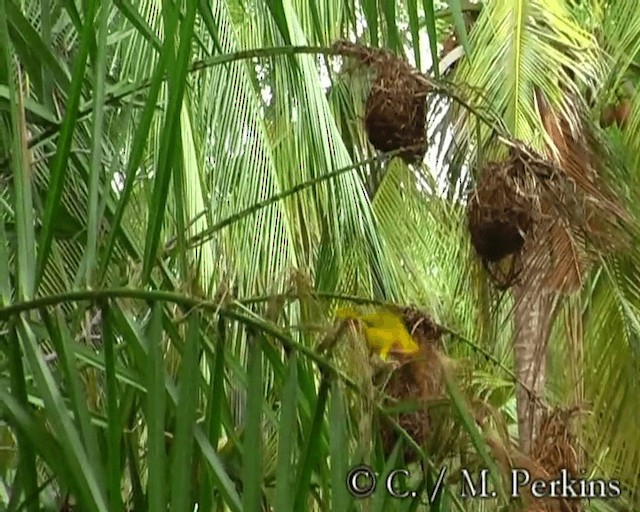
<point>365,300</point>
<point>208,234</point>
<point>176,298</point>
<point>114,98</point>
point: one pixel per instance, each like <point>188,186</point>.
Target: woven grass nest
<point>415,378</point>
<point>502,212</point>
<point>395,110</point>
<point>554,449</point>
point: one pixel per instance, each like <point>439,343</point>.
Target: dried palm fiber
<point>623,112</point>
<point>548,215</point>
<point>395,110</point>
<point>509,459</point>
<point>502,211</point>
<point>584,216</point>
<point>617,112</point>
<point>553,451</point>
<point>415,379</point>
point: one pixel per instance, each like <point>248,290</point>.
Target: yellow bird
<point>384,331</point>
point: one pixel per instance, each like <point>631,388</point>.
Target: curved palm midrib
<point>519,16</point>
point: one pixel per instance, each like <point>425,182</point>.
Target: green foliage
<point>186,194</point>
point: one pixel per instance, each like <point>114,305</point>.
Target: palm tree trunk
<point>532,318</point>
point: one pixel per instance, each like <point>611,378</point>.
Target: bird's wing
<point>378,338</point>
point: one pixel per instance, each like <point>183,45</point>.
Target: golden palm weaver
<point>384,331</point>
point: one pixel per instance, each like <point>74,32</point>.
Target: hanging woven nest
<point>502,212</point>
<point>553,452</point>
<point>395,111</point>
<point>415,380</point>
